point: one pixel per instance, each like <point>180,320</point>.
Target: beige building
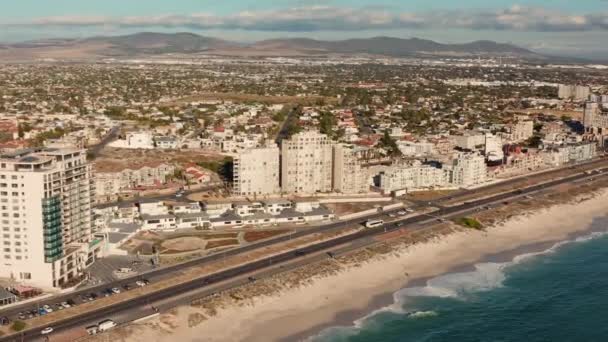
<point>112,179</point>
<point>349,177</point>
<point>522,130</point>
<point>45,204</point>
<point>413,176</point>
<point>306,163</point>
<point>256,172</point>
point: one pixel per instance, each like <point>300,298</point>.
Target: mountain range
<point>152,44</point>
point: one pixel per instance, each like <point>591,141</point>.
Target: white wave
<point>423,314</point>
<point>485,277</point>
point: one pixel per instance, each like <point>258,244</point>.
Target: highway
<point>238,272</point>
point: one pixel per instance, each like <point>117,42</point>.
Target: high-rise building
<point>256,171</point>
<point>349,177</point>
<point>45,207</point>
<point>522,130</point>
<point>575,92</point>
<point>306,163</point>
<point>468,169</point>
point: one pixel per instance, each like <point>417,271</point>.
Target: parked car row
<point>83,298</point>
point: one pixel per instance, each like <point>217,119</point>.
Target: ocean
<point>557,294</point>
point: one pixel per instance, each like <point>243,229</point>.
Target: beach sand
<point>299,312</point>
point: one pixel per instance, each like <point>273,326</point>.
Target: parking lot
<point>106,270</point>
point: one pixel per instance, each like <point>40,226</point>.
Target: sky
<point>566,27</point>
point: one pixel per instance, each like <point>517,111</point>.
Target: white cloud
<point>331,18</point>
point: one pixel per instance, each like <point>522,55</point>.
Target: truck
<point>106,325</point>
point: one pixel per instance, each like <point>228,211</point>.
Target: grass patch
<point>261,235</point>
<point>469,222</point>
<point>18,326</point>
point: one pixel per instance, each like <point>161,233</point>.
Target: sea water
<point>559,294</point>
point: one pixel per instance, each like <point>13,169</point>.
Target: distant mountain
<point>394,47</point>
<point>150,43</point>
<point>159,43</point>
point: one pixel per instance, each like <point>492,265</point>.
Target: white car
<point>116,290</point>
<point>47,308</point>
<point>65,305</point>
<point>140,283</point>
<point>46,331</point>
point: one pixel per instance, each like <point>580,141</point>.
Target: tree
<point>390,145</point>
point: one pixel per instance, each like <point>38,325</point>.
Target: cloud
<point>331,18</point>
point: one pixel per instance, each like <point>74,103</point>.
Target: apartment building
<point>112,179</point>
<point>413,176</point>
<point>522,129</point>
<point>45,202</point>
<point>575,92</point>
<point>468,169</point>
<point>349,177</point>
<point>256,172</point>
<point>306,163</point>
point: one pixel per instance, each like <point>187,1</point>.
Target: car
<point>115,290</point>
<point>300,253</point>
<point>4,320</point>
<point>392,215</point>
<point>402,212</point>
<point>71,302</point>
<point>178,195</point>
<point>46,331</point>
<point>409,210</point>
<point>331,255</point>
<point>58,306</point>
<point>140,283</point>
<point>146,281</point>
<point>126,287</point>
<point>251,279</point>
<point>47,308</point>
<point>66,305</point>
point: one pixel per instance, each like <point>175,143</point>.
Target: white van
<point>106,325</point>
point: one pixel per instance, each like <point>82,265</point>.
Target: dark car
<point>127,287</point>
<point>300,253</point>
<point>251,279</point>
<point>331,255</point>
<point>4,320</point>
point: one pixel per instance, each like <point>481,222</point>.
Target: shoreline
<point>355,289</point>
<point>348,319</point>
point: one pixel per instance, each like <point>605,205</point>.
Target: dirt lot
<point>112,159</point>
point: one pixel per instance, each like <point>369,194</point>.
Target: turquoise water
<point>560,294</point>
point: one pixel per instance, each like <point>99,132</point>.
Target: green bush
<point>18,326</point>
<point>469,223</point>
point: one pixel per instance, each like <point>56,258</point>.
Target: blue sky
<point>565,26</point>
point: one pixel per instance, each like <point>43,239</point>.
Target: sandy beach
<point>299,312</point>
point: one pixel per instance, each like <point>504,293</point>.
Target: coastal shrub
<point>469,223</point>
<point>18,326</point>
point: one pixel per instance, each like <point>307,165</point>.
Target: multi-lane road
<point>237,275</point>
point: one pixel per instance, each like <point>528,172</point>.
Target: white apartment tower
<point>349,177</point>
<point>306,163</point>
<point>256,172</point>
<point>468,169</point>
<point>45,207</point>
